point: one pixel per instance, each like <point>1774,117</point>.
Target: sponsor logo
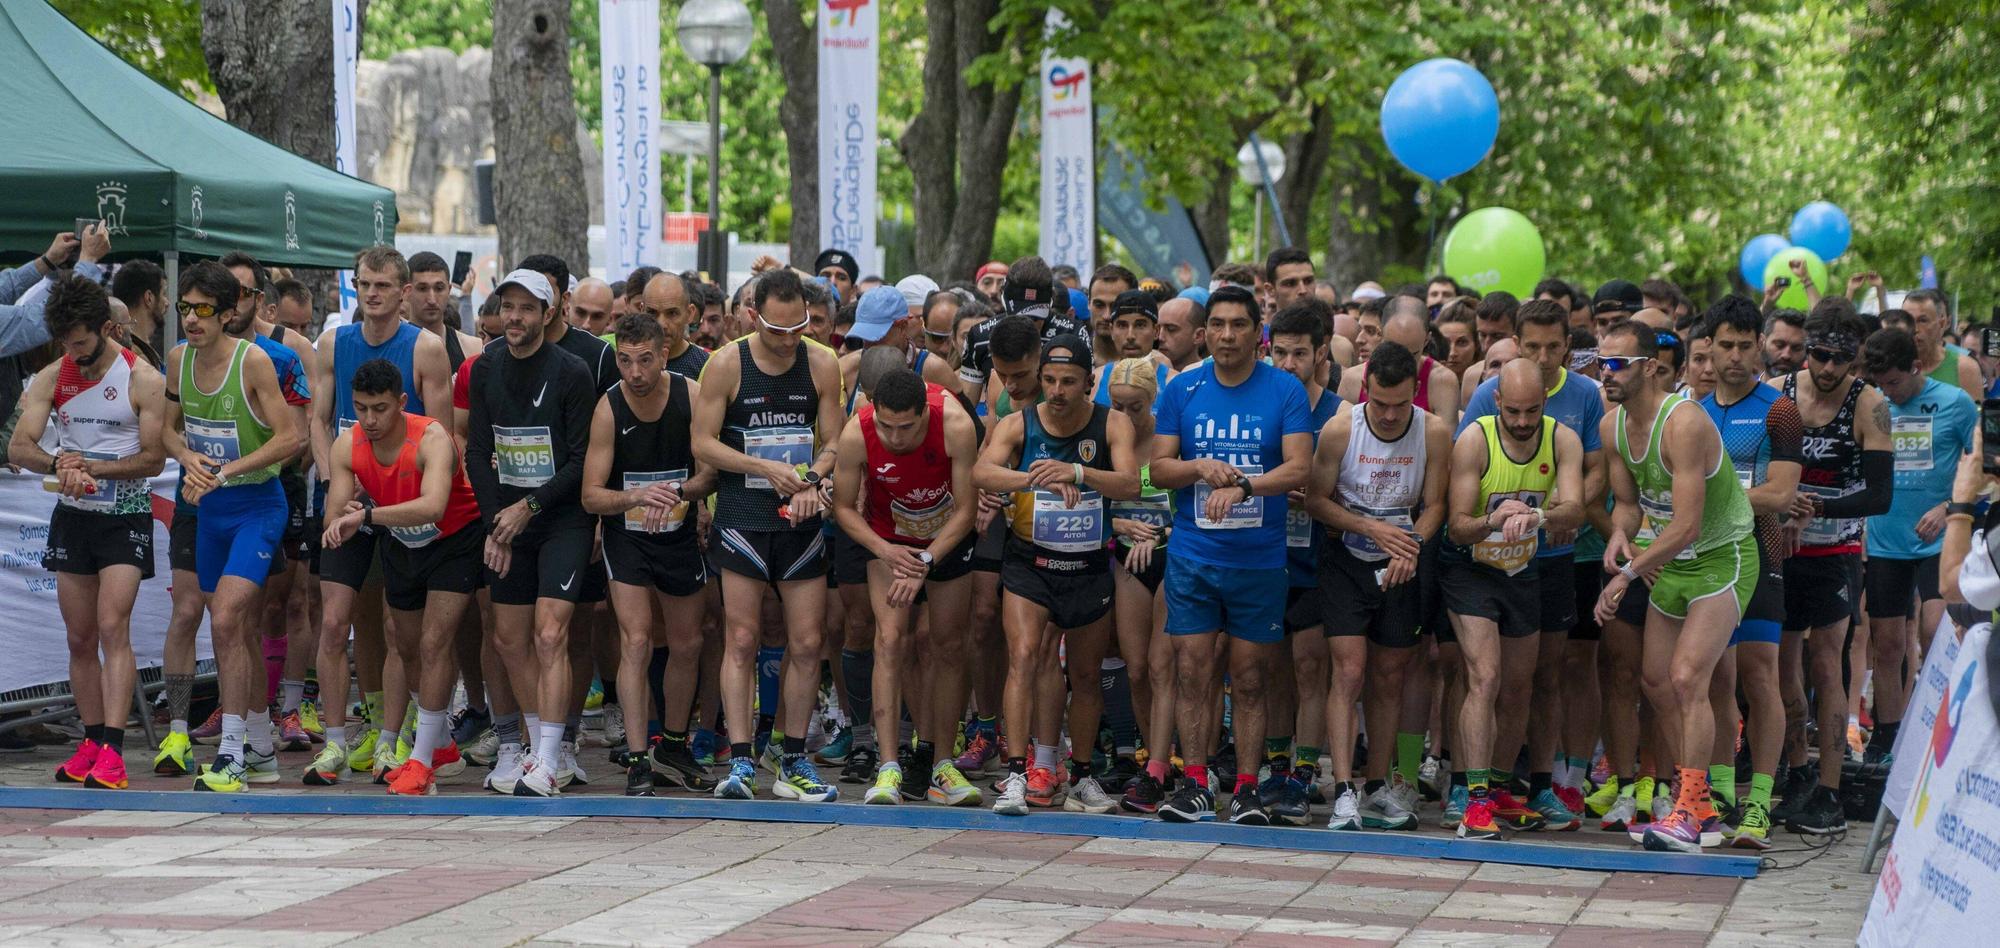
<point>110,393</point>
<point>1944,730</point>
<point>844,13</point>
<point>566,583</point>
<point>291,220</point>
<point>776,419</point>
<point>538,395</point>
<point>1065,83</point>
<point>626,431</point>
<point>1087,450</point>
<point>111,207</point>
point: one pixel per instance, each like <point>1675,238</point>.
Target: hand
<point>659,498</point>
<point>1049,473</point>
<point>73,482</point>
<point>1617,551</point>
<point>1520,525</point>
<point>1391,539</point>
<point>902,561</point>
<point>1219,502</point>
<point>96,243</point>
<point>763,263</point>
<point>69,460</point>
<point>1861,280</point>
<point>1798,268</point>
<point>1771,293</point>
<point>990,505</point>
<point>1803,509</point>
<point>1401,569</point>
<point>1135,532</point>
<point>1971,479</point>
<point>1138,558</point>
<point>904,591</point>
<point>1217,473</point>
<point>1561,537</point>
<point>510,523</point>
<point>1931,524</point>
<point>340,529</point>
<point>805,505</point>
<point>60,248</point>
<point>471,280</point>
<point>1607,601</point>
<point>200,471</point>
<point>1508,508</point>
<point>499,556</point>
<point>784,478</point>
<point>1789,535</point>
<point>1070,494</point>
<point>1295,496</point>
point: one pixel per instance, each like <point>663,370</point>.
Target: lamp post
<point>714,33</point>
<point>1251,172</point>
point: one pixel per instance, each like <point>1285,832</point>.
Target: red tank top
<point>1422,399</point>
<point>909,495</point>
<point>401,482</point>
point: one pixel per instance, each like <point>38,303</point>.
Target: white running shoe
<point>614,726</point>
<point>1385,812</point>
<point>1013,799</point>
<point>507,767</point>
<point>484,751</point>
<point>536,781</point>
<point>1088,796</point>
<point>568,771</point>
<point>1346,811</point>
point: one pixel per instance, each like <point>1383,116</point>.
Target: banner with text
<point>849,32</point>
<point>346,55</point>
<point>1920,715</point>
<point>1069,198</point>
<point>629,40</point>
<point>1940,884</point>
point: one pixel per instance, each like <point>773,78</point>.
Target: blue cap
<point>830,288</point>
<point>879,309</point>
<point>1197,293</point>
<point>1079,306</point>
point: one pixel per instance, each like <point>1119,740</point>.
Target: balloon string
<point>1430,245</point>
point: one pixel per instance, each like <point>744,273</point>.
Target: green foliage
<point>162,39</point>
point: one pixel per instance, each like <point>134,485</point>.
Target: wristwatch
<point>534,506</point>
<point>1628,572</point>
<point>1952,509</point>
<point>812,478</point>
<point>1243,484</point>
<point>367,516</point>
<point>925,557</point>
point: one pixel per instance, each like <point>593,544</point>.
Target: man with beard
<point>1784,343</point>
<point>839,267</point>
<point>1133,326</point>
<point>990,279</point>
<point>1031,291</point>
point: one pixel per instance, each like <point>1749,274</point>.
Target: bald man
<point>1437,387</point>
<point>666,300</point>
<point>590,306</point>
<point>1181,324</point>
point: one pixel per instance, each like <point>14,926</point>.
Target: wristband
<point>1958,508</point>
<point>1076,470</point>
<point>1629,573</point>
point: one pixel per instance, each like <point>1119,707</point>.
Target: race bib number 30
<point>791,446</point>
<point>1911,435</point>
<point>635,519</point>
<point>526,456</point>
<point>1078,529</point>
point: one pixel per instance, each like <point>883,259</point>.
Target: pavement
<point>139,877</point>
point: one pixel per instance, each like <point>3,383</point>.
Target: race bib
<point>1828,531</point>
<point>215,440</point>
<point>635,519</point>
<point>1078,529</point>
<point>1911,436</point>
<point>109,493</point>
<point>1246,514</point>
<point>1364,547</point>
<point>791,446</point>
<point>1746,475</point>
<point>1298,527</point>
<point>1659,511</point>
<point>1152,509</point>
<point>420,535</point>
<point>526,456</point>
<point>1495,551</point>
<point>921,523</point>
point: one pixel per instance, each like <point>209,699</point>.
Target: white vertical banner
<point>629,42</point>
<point>1069,160</point>
<point>849,32</point>
<point>346,54</point>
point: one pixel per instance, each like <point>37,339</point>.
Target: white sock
<point>259,723</point>
<point>1045,756</point>
<point>294,695</point>
<point>531,724</point>
<point>336,735</point>
<point>430,730</point>
<point>548,737</point>
<point>232,737</point>
<point>178,726</point>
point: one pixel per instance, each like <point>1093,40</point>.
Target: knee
<point>1022,659</point>
<point>1310,671</point>
<point>114,634</point>
<point>1482,679</point>
<point>552,639</point>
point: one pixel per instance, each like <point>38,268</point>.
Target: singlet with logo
<point>649,452</point>
<point>1725,509</point>
<point>1305,536</point>
<point>1055,535</point>
<point>1830,468</point>
<point>1577,403</point>
<point>95,418</point>
<point>908,497</point>
<point>223,424</point>
<point>1761,427</point>
<point>771,419</point>
<point>1244,426</point>
<point>1929,433</point>
<point>351,348</point>
<point>528,432</point>
<point>1530,482</point>
<point>400,482</point>
<point>1382,480</point>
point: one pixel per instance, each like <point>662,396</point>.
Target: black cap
<point>1618,294</point>
<point>1135,301</point>
<point>1077,352</point>
<point>837,258</point>
<point>1018,297</point>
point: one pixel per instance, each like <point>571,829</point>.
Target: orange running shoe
<point>413,779</point>
<point>1044,790</point>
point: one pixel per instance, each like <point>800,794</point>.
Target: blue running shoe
<point>741,784</point>
<point>1455,804</point>
<point>702,745</point>
<point>835,751</point>
<point>797,780</point>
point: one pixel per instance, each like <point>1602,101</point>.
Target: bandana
<point>1834,339</point>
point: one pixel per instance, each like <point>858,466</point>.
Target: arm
<point>25,448</point>
<point>598,496</point>
<point>1567,512</point>
<point>1122,481</point>
<point>832,414</point>
<point>260,381</point>
<point>320,374</point>
<point>578,398</point>
<point>21,325</point>
<point>1468,524</point>
<point>1437,479</point>
<point>433,371</point>
<point>701,480</point>
<point>1878,461</point>
<point>1971,482</point>
<point>938,373</point>
<point>1970,378</point>
<point>995,470</point>
<point>173,427</point>
<point>439,460</point>
<point>341,523</point>
<point>1444,394</point>
<point>1775,495</point>
<point>847,477</point>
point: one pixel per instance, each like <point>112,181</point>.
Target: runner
<point>1060,459</point>
<point>1530,477</point>
<point>1682,521</point>
<point>914,449</point>
<point>665,298</point>
<point>1134,329</point>
<point>524,455</point>
<point>407,466</point>
<point>106,406</point>
<point>650,552</point>
<point>1232,432</point>
<point>1140,527</point>
<point>1030,291</point>
<point>764,420</point>
<point>1378,484</point>
<point>1437,387</point>
<point>1930,317</point>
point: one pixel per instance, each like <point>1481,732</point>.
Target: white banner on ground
<point>346,56</point>
<point>629,38</point>
<point>1919,714</point>
<point>32,638</point>
<point>849,32</point>
<point>1941,882</point>
<point>1069,161</point>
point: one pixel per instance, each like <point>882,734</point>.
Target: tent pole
<point>173,328</point>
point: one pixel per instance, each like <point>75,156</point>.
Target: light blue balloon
<point>1440,117</point>
<point>1822,228</point>
<point>1756,254</point>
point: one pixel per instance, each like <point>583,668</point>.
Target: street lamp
<point>1249,171</point>
<point>715,33</point>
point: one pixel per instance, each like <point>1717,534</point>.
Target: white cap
<point>1364,293</point>
<point>916,288</point>
<point>535,283</point>
<point>573,283</point>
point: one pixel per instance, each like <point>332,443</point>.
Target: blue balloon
<point>1756,254</point>
<point>1822,228</point>
<point>1440,117</point>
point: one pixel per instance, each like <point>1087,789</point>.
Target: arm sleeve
<point>479,453</point>
<point>579,398</point>
<point>1878,479</point>
<point>1786,431</point>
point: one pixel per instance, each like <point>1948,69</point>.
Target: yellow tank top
<point>1530,482</point>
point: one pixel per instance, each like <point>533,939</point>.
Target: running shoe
<point>1088,796</point>
<point>413,779</point>
<point>468,724</point>
<point>614,725</point>
<point>1432,779</point>
<point>484,751</point>
<point>861,764</point>
<point>1388,809</point>
<point>258,766</point>
<point>1346,811</point>
<point>1754,832</point>
<point>1246,810</point>
<point>292,735</point>
<point>1555,815</point>
<point>676,769</point>
<point>1013,799</point>
<point>1190,803</point>
<point>447,762</point>
<point>950,787</point>
<point>78,765</point>
<point>1454,806</point>
<point>1270,785</point>
<point>1792,792</point>
<point>1820,816</point>
<point>1572,799</point>
<point>536,780</point>
<point>1044,789</point>
<point>1712,831</point>
<point>771,758</point>
<point>701,745</point>
<point>1482,820</point>
<point>1878,757</point>
<point>108,773</point>
<point>327,766</point>
<point>1119,774</point>
<point>1624,813</point>
<point>361,758</point>
<point>386,759</point>
<point>1643,792</point>
<point>835,751</point>
<point>980,753</point>
<point>888,786</point>
<point>1678,832</point>
<point>210,731</point>
<point>741,783</point>
<point>1510,810</point>
<point>507,767</point>
<point>176,756</point>
<point>1406,797</point>
<point>225,775</point>
<point>1293,806</point>
<point>638,776</point>
<point>1143,795</point>
<point>916,786</point>
<point>309,720</point>
<point>594,699</point>
<point>799,781</point>
<point>568,769</point>
<point>1605,796</point>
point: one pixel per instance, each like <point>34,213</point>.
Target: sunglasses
<point>197,310</point>
<point>785,330</point>
<point>1830,356</point>
<point>1621,363</point>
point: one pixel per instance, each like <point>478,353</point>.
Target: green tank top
<point>223,424</point>
<point>1725,510</point>
<point>1947,367</point>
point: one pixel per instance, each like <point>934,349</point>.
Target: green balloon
<point>1495,248</point>
<point>1794,296</point>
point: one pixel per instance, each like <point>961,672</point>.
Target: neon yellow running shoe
<point>361,759</point>
<point>309,720</point>
<point>326,768</point>
<point>950,787</point>
<point>176,756</point>
<point>888,787</point>
<point>223,776</point>
<point>1603,797</point>
<point>1642,794</point>
<point>595,699</point>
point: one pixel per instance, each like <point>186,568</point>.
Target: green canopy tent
<point>97,138</point>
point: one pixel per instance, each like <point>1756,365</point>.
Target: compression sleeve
<point>1878,480</point>
<point>479,444</point>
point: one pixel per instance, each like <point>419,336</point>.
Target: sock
<point>1409,755</point>
<point>795,747</point>
<point>858,670</point>
<point>923,756</point>
<point>770,661</point>
<point>1045,756</point>
<point>548,738</point>
<point>739,750</point>
<point>1278,753</point>
<point>430,733</point>
<point>532,725</point>
<point>93,733</point>
<point>1539,780</point>
<point>1477,780</point>
<point>1307,767</point>
<point>1458,778</point>
<point>1116,683</point>
<point>506,727</point>
<point>337,735</point>
<point>1017,765</point>
<point>113,738</point>
<point>1692,792</point>
<point>232,737</point>
<point>1722,777</point>
<point>295,694</point>
<point>1760,789</point>
<point>1078,769</point>
<point>274,666</point>
<point>1571,773</point>
<point>372,709</point>
<point>1344,786</point>
<point>259,723</point>
<point>610,689</point>
<point>180,689</point>
<point>987,724</point>
<point>674,740</point>
<point>572,726</point>
<point>864,734</point>
<point>1373,787</point>
<point>1198,773</point>
<point>1159,768</point>
<point>1246,782</point>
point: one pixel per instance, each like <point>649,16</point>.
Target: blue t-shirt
<point>1575,403</point>
<point>1304,535</point>
<point>1103,396</point>
<point>1929,433</point>
<point>1243,426</point>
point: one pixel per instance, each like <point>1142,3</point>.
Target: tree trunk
<point>956,147</point>
<point>796,47</point>
<point>538,182</point>
<point>1305,157</point>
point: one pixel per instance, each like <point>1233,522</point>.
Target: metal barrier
<point>55,701</point>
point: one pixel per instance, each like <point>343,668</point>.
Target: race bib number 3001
<point>526,456</point>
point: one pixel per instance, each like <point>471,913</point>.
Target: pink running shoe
<point>292,734</point>
<point>78,765</point>
<point>210,731</point>
<point>109,771</point>
<point>980,751</point>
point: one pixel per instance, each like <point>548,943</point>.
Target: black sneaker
<point>1119,775</point>
<point>1793,793</point>
<point>1291,807</point>
<point>861,763</point>
<point>1246,810</point>
<point>468,724</point>
<point>1190,803</point>
<point>677,769</point>
<point>1881,757</point>
<point>1143,795</point>
<point>1224,761</point>
<point>638,776</point>
<point>1820,815</point>
<point>916,776</point>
